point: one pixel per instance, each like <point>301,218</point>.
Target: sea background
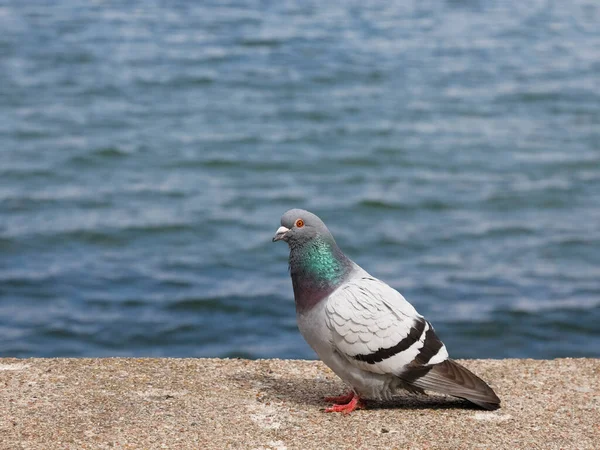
<point>148,150</point>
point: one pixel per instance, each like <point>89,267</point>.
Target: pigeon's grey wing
<point>376,329</point>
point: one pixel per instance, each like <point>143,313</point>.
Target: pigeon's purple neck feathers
<point>317,267</point>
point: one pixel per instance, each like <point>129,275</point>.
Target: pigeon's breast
<point>308,294</point>
<point>312,326</point>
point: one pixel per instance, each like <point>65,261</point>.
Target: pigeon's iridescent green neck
<point>320,262</point>
<point>317,268</point>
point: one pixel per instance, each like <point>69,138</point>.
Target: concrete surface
<point>276,404</point>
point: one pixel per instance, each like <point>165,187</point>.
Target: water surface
<point>147,151</point>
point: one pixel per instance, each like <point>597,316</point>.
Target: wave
<point>431,205</point>
<point>99,156</point>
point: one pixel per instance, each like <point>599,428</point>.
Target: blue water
<point>148,149</point>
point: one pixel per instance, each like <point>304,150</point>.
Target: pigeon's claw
<point>354,403</point>
<point>346,398</point>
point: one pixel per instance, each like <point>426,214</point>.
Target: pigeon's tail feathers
<point>451,378</point>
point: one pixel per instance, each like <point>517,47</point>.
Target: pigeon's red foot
<point>341,398</point>
<point>354,403</point>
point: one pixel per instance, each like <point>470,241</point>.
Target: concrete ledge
<point>276,404</point>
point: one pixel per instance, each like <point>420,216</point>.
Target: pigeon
<point>365,331</point>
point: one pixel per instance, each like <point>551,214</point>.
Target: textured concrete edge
<point>268,404</point>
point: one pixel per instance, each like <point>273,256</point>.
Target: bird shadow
<point>303,391</point>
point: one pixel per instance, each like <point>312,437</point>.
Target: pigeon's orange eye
<point>299,223</point>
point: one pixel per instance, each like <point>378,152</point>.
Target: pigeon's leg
<point>355,403</point>
<point>341,398</point>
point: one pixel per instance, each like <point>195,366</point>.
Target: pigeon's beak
<point>280,234</point>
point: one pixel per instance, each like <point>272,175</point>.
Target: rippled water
<point>148,151</point>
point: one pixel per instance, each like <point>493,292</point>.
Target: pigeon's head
<point>299,226</point>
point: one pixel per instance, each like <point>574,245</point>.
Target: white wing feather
<point>367,315</point>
